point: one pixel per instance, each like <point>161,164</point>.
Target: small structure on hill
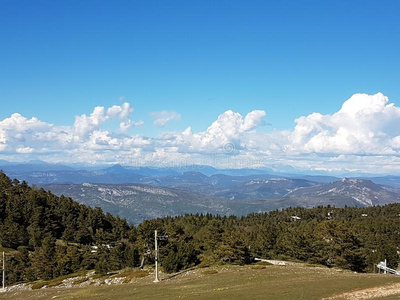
<point>295,218</point>
<point>272,261</point>
<point>383,266</point>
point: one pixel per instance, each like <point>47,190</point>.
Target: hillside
<point>137,202</point>
<point>48,236</point>
<point>194,192</point>
<point>351,192</point>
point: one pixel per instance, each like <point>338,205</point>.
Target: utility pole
<point>156,252</point>
<point>156,255</point>
<point>4,271</point>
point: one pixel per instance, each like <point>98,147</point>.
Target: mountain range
<point>39,172</point>
<point>144,193</point>
<point>138,202</point>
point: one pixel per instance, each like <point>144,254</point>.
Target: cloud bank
<point>362,136</point>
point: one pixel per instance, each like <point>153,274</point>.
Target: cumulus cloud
<point>84,124</point>
<point>121,112</point>
<point>229,128</point>
<point>17,130</point>
<point>28,136</point>
<point>362,136</point>
<point>366,124</point>
<point>161,118</point>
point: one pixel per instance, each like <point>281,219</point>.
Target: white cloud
<point>20,123</point>
<point>229,128</point>
<point>21,135</point>
<point>25,150</point>
<point>18,130</point>
<point>366,124</point>
<point>161,118</point>
<point>121,112</point>
<point>395,143</point>
<point>128,124</point>
<point>362,136</point>
<point>86,124</point>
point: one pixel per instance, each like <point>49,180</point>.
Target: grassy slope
<point>273,282</point>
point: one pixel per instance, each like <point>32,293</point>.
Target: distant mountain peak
<point>357,181</point>
<point>352,180</point>
<point>116,169</point>
<point>37,161</point>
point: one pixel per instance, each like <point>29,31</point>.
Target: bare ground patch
<point>369,293</point>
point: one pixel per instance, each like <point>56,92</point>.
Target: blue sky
<point>60,59</point>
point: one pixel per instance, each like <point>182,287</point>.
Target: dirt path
<point>370,293</point>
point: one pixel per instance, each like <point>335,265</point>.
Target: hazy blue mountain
<point>35,166</point>
<point>116,169</point>
<point>387,180</point>
<point>155,172</point>
<point>200,179</point>
<point>4,162</point>
<point>322,179</point>
<point>75,176</point>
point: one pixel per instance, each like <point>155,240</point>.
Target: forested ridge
<point>48,236</point>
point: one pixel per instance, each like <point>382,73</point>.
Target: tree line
<point>47,236</point>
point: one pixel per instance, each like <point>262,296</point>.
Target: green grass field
<point>295,281</point>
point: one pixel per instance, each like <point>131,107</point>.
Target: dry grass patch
<point>79,281</point>
<point>264,263</point>
<point>56,281</point>
<point>258,267</point>
<point>130,274</point>
<point>209,272</point>
<point>39,284</point>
